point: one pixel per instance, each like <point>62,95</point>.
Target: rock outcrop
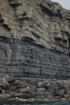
<point>34,39</point>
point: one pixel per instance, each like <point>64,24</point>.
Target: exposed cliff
<point>44,21</point>
<point>27,29</point>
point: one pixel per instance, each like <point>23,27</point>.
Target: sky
<point>64,3</point>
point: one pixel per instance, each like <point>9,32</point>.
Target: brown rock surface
<point>42,20</point>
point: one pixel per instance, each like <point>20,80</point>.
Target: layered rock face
<point>34,39</point>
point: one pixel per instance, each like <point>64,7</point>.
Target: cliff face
<point>46,22</point>
<point>34,38</point>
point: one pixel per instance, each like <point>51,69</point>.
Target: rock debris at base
<point>25,89</point>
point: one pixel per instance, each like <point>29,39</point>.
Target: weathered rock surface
<point>34,39</point>
<point>43,21</point>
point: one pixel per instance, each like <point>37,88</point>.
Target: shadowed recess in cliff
<point>5,39</point>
